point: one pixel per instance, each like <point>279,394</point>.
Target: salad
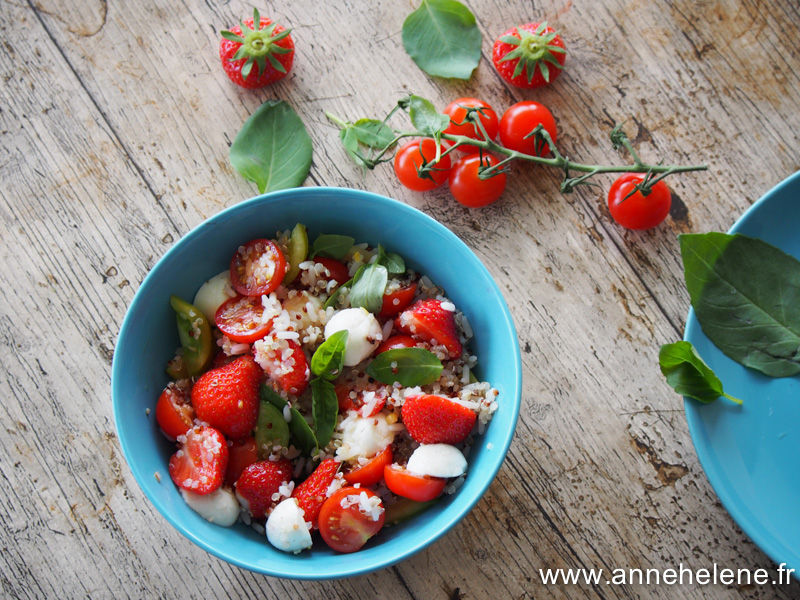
<point>320,388</point>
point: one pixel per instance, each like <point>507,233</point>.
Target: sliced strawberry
<point>432,322</point>
<point>199,465</point>
<point>433,419</point>
<point>241,454</point>
<point>312,493</point>
<point>258,487</point>
<point>284,362</point>
<point>227,397</point>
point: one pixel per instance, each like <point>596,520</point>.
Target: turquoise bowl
<point>148,338</point>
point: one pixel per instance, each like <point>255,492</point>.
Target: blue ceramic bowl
<point>148,338</point>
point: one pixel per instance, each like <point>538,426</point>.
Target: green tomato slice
<point>271,430</point>
<point>195,335</point>
<point>298,252</point>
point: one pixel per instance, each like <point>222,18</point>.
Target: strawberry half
<point>227,397</point>
<point>199,465</point>
<point>433,419</point>
<point>312,493</point>
<point>284,362</point>
<point>258,487</point>
<point>428,320</point>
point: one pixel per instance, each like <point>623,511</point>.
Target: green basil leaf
<point>369,284</point>
<point>689,375</point>
<point>443,39</point>
<point>373,133</point>
<point>301,434</point>
<point>745,295</point>
<point>425,118</point>
<point>271,429</point>
<point>273,148</point>
<point>332,245</point>
<point>324,408</point>
<point>394,263</point>
<point>328,359</point>
<point>407,366</point>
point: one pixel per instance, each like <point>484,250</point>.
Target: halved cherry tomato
<point>370,472</point>
<point>457,111</point>
<point>396,301</point>
<point>638,211</point>
<point>174,412</point>
<point>410,158</point>
<point>241,454</point>
<point>397,341</point>
<point>358,403</point>
<point>412,486</point>
<point>468,188</point>
<point>347,528</point>
<point>338,270</point>
<point>518,122</point>
<point>257,268</point>
<point>240,319</point>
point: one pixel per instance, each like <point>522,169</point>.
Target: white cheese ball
<point>219,507</point>
<point>213,293</point>
<point>364,333</point>
<point>365,436</point>
<point>287,529</point>
<point>301,315</point>
<point>437,460</point>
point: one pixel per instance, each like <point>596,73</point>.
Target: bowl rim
<point>454,513</point>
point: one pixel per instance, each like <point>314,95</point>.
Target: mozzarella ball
<point>213,293</point>
<point>437,460</point>
<point>219,507</point>
<point>365,436</point>
<point>287,529</point>
<point>364,333</point>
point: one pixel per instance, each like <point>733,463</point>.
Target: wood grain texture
<point>115,121</point>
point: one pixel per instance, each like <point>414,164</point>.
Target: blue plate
<point>750,453</point>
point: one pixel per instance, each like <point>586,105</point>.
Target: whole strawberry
<point>529,56</point>
<point>227,397</point>
<point>433,419</point>
<point>433,321</point>
<point>312,493</point>
<point>258,487</point>
<point>255,56</point>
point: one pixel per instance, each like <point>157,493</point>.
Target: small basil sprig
<point>406,366</point>
<point>689,375</point>
<point>394,263</point>
<point>369,284</point>
<point>332,245</point>
<point>324,409</point>
<point>328,359</point>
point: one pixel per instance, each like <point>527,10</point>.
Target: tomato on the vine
<point>343,523</point>
<point>518,122</point>
<point>468,188</point>
<point>638,211</point>
<point>409,159</point>
<point>457,111</point>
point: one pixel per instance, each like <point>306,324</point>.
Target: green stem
<point>732,399</point>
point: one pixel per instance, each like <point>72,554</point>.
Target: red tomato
<point>409,485</point>
<point>347,402</point>
<point>240,319</point>
<point>638,211</point>
<point>457,112</point>
<point>471,190</point>
<point>338,270</point>
<point>396,301</point>
<point>347,528</point>
<point>241,454</point>
<point>410,158</point>
<point>370,472</point>
<point>519,120</point>
<point>397,341</point>
<point>257,268</point>
<point>174,412</point>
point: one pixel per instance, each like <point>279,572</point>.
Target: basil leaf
<point>745,294</point>
<point>273,148</point>
<point>368,287</point>
<point>324,408</point>
<point>271,429</point>
<point>425,118</point>
<point>407,366</point>
<point>328,359</point>
<point>332,245</point>
<point>689,375</point>
<point>300,430</point>
<point>394,263</point>
<point>442,38</point>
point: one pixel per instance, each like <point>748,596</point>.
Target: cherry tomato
<point>519,120</point>
<point>370,472</point>
<point>411,156</point>
<point>337,269</point>
<point>412,486</point>
<point>240,319</point>
<point>342,523</point>
<point>638,211</point>
<point>471,190</point>
<point>457,112</point>
<point>174,412</point>
<point>349,400</point>
<point>397,341</point>
<point>396,301</point>
<point>241,454</point>
<point>257,268</point>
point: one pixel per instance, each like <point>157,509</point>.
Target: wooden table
<point>115,121</point>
